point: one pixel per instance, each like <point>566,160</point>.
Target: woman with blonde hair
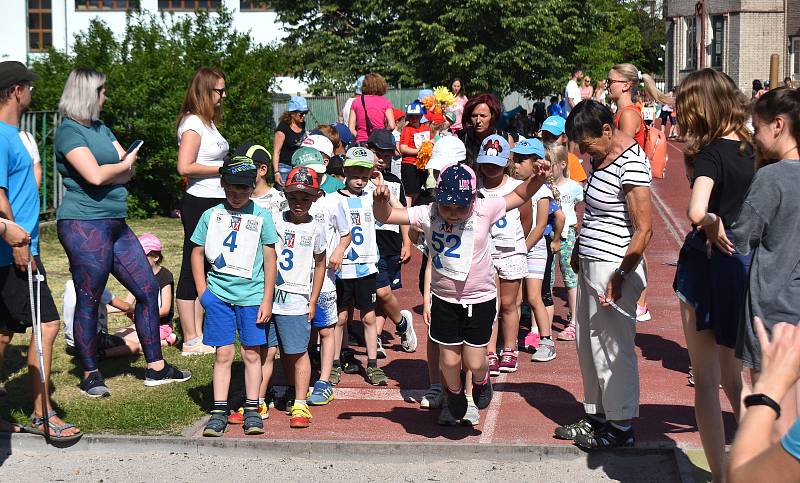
<point>201,149</point>
<point>371,110</point>
<point>711,279</point>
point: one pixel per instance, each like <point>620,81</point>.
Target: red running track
<point>530,403</point>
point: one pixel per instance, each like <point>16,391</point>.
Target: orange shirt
<point>575,168</point>
<point>639,137</point>
<point>413,137</point>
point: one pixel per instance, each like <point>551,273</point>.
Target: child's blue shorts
<point>223,320</point>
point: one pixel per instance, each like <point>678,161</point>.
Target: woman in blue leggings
<point>92,229</point>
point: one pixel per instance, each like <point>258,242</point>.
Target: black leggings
<point>192,208</point>
<point>547,292</point>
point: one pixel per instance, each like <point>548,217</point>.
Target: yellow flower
<point>444,96</point>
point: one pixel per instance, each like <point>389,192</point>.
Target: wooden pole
<point>774,71</point>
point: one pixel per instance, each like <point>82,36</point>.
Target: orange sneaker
<point>301,416</point>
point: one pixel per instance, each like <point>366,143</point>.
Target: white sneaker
<point>198,349</point>
<point>381,350</point>
<point>546,351</point>
<point>472,416</point>
<point>642,314</point>
<point>432,399</point>
<point>408,339</point>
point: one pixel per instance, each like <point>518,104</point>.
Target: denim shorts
<point>326,314</point>
<point>389,269</point>
<point>291,332</point>
<point>224,320</point>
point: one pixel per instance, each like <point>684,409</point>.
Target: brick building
<point>735,36</point>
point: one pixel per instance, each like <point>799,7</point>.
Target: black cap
<point>13,72</point>
<point>256,152</point>
<point>239,170</point>
<point>381,139</point>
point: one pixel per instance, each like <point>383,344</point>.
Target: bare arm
<point>383,210</point>
<point>21,254</point>
<point>277,145</point>
<point>541,223</point>
<point>526,217</point>
<point>405,150</point>
<point>199,269</point>
<point>351,123</point>
<point>525,191</point>
<point>37,173</point>
<point>166,301</point>
<point>121,305</point>
<point>86,165</point>
<point>638,200</point>
<point>630,123</point>
<point>187,158</point>
<point>390,125</point>
<point>710,222</point>
<point>335,262</point>
<point>316,286</point>
<point>270,273</point>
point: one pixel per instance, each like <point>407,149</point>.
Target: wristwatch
<point>763,400</point>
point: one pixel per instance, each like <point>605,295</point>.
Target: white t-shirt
<point>330,214</point>
<point>507,235</point>
<point>346,110</point>
<point>295,266</point>
<point>361,258</point>
<point>273,200</point>
<point>571,92</point>
<point>68,311</point>
<point>30,144</point>
<point>570,194</point>
<point>213,148</point>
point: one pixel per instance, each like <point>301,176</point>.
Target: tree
<point>148,70</point>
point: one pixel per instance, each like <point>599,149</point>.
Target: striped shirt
<point>607,228</point>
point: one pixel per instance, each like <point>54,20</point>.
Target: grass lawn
<point>132,407</point>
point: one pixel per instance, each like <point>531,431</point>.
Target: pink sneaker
<point>642,314</point>
<point>531,342</point>
<point>568,333</point>
<point>508,360</point>
<point>494,364</point>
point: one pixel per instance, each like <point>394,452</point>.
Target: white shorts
<point>511,267</point>
<point>537,260</point>
<point>326,314</point>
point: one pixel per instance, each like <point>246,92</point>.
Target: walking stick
<point>36,318</point>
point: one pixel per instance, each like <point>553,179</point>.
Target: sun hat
<point>529,146</point>
<point>150,243</point>
<point>447,150</point>
<point>320,143</point>
<point>256,152</point>
<point>456,185</point>
<point>13,72</point>
<point>238,170</point>
<point>359,157</point>
<point>494,150</point>
<point>423,93</point>
<point>310,158</point>
<point>554,125</point>
<point>381,139</point>
<point>298,104</point>
<point>304,179</point>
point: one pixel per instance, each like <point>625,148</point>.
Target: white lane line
<point>369,394</point>
<point>493,411</point>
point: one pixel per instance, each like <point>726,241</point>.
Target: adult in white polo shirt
<point>201,150</point>
<point>572,94</point>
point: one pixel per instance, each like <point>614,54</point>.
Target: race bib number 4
<point>232,242</point>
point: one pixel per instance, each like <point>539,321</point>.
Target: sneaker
<point>642,314</point>
<point>335,376</point>
<point>508,360</point>
<point>321,394</point>
<point>568,333</point>
<point>198,349</point>
<point>166,375</point>
<point>531,342</point>
<point>545,352</point>
<point>433,398</point>
<point>94,386</point>
<point>584,427</point>
<point>607,437</point>
<point>376,376</point>
<point>445,418</point>
<point>408,339</point>
<point>288,399</point>
<point>472,417</point>
<point>381,350</point>
<point>457,404</point>
<point>494,364</point>
<point>482,393</point>
<point>349,363</point>
<point>237,417</point>
<point>301,416</point>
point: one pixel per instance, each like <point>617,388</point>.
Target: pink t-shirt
<point>458,108</point>
<point>376,107</point>
<point>480,285</point>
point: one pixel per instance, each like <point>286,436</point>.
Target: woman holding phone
<point>92,229</point>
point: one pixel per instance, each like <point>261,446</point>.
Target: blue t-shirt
<point>84,201</point>
<point>232,288</point>
<point>555,110</point>
<point>16,177</point>
<point>791,440</point>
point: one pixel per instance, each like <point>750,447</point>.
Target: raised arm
<point>525,191</point>
<point>383,210</point>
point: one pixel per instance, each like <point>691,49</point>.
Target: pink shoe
<point>494,364</point>
<point>531,342</point>
<point>642,314</point>
<point>568,333</point>
<point>508,360</point>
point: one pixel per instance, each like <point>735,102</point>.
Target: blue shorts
<point>223,320</point>
<point>291,332</point>
<point>326,314</point>
<point>389,272</point>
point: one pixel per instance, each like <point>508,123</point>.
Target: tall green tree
<point>148,69</point>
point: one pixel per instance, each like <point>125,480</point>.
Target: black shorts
<point>412,178</point>
<point>389,272</point>
<point>15,302</point>
<point>356,292</point>
<point>454,324</point>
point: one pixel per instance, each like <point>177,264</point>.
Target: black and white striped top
<point>607,228</point>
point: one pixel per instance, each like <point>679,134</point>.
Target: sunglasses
<point>301,113</point>
<point>221,92</point>
<point>611,81</point>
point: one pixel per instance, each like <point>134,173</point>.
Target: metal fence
<point>43,124</point>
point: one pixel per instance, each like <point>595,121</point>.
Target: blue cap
<point>554,125</point>
<point>456,185</point>
<point>297,103</point>
<point>416,108</point>
<point>344,133</point>
<point>359,83</point>
<point>494,150</point>
<point>529,146</point>
<point>423,93</point>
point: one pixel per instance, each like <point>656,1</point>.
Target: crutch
<point>36,318</point>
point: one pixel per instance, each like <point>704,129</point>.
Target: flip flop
<point>37,421</point>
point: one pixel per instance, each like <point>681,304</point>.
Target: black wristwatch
<point>763,400</point>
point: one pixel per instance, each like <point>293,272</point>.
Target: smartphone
<point>134,146</point>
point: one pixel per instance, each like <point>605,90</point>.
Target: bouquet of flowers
<point>441,99</point>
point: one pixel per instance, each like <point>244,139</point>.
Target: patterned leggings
<point>97,248</point>
<point>567,245</point>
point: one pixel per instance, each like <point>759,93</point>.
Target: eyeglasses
<point>221,92</point>
<point>611,81</point>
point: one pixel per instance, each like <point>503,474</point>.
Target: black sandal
<point>584,427</point>
<point>58,429</point>
<point>253,424</point>
<point>217,425</point>
<point>606,437</point>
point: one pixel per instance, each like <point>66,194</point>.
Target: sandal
<point>217,425</point>
<point>9,427</point>
<point>253,424</point>
<point>37,422</point>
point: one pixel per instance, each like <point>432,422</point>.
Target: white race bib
<point>421,137</point>
<point>507,231</point>
<point>363,248</point>
<point>648,113</point>
<point>232,242</point>
<point>394,189</point>
<point>451,246</point>
<point>295,256</point>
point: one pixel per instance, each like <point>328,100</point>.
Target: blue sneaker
<point>322,394</point>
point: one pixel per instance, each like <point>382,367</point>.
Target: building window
<point>718,44</point>
<point>40,25</point>
<point>107,4</point>
<point>173,5</point>
<point>254,6</point>
<point>691,45</point>
<point>795,58</point>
